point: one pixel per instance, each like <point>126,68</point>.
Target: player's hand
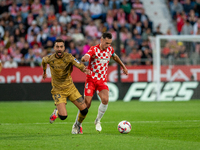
<point>44,76</point>
<point>86,71</point>
<point>125,71</point>
<point>85,58</point>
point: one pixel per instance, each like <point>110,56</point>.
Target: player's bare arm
<point>86,71</point>
<point>85,58</point>
<point>117,59</point>
<point>44,66</point>
<point>0,66</point>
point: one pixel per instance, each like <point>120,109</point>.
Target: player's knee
<point>104,101</point>
<point>84,111</point>
<point>62,117</point>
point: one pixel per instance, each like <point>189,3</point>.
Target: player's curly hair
<point>107,35</point>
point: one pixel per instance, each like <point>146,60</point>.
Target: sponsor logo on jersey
<point>77,60</point>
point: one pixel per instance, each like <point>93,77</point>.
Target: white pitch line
<point>133,122</point>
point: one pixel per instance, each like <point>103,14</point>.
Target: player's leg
<point>88,100</point>
<point>76,98</point>
<point>80,104</point>
<point>88,92</point>
<point>60,110</point>
<point>104,95</point>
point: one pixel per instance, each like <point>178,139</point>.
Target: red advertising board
<point>136,74</point>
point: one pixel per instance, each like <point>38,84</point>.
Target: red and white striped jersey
<point>98,63</point>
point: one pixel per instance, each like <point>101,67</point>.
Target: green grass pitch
<point>155,126</point>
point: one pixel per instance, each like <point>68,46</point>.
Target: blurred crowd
<point>28,28</point>
<point>186,16</point>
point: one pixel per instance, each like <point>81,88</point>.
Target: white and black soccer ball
<point>124,127</point>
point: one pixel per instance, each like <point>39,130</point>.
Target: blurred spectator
<point>196,26</point>
<point>41,18</point>
<point>56,28</point>
<point>105,9</point>
<point>84,5</point>
<point>109,19</point>
<point>176,7</point>
<point>49,47</point>
<point>133,18</point>
<point>65,3</point>
<point>157,32</point>
<point>22,29</point>
<point>95,10</point>
<point>187,28</point>
<point>13,9</point>
<point>146,33</point>
<point>73,50</point>
<point>86,47</point>
<point>146,57</point>
<point>86,18</point>
<point>64,18</point>
<point>71,7</point>
<point>187,6</point>
<point>21,42</point>
<point>91,30</point>
<point>6,37</point>
<point>1,31</point>
<point>134,57</point>
<point>24,50</point>
<point>59,8</point>
<point>51,18</point>
<point>24,8</point>
<point>114,4</point>
<point>10,63</point>
<point>17,55</point>
<point>126,7</point>
<point>36,7</point>
<point>47,8</point>
<point>129,47</point>
<point>17,34</point>
<point>3,7</point>
<point>5,56</point>
<point>197,7</point>
<point>33,28</point>
<point>121,17</point>
<point>76,17</point>
<point>192,17</point>
<point>29,19</point>
<point>138,6</point>
<point>124,34</point>
<point>77,36</point>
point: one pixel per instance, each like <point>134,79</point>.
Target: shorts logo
<point>88,91</point>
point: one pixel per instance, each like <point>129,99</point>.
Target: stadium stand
<point>28,28</point>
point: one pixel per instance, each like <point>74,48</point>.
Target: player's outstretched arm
<point>1,66</point>
<point>44,66</point>
<point>118,60</point>
<point>85,58</point>
<point>86,71</point>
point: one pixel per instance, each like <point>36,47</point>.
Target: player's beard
<point>59,54</point>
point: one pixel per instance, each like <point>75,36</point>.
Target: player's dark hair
<point>59,40</point>
<point>107,35</point>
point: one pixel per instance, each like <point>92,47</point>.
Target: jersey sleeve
<point>45,62</point>
<point>112,51</point>
<point>90,52</point>
<point>76,63</point>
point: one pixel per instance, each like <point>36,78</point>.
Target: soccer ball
<point>124,127</point>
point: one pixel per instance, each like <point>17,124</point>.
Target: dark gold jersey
<point>61,69</point>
